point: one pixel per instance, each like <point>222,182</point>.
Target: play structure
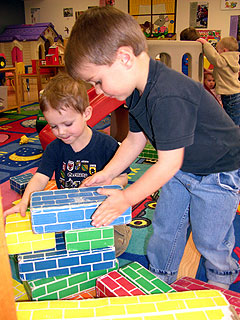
<point>171,53</point>
<point>26,42</point>
<point>102,106</point>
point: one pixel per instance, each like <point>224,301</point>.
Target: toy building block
<point>68,209</point>
<point>51,185</point>
<point>187,283</point>
<point>21,239</point>
<point>89,238</point>
<point>62,262</point>
<point>114,284</point>
<point>19,183</point>
<point>86,294</point>
<point>144,279</point>
<point>19,291</point>
<point>206,304</point>
<point>61,287</point>
<point>149,152</point>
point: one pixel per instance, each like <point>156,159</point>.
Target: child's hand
<point>111,208</point>
<point>21,208</point>
<point>98,179</point>
<point>201,40</point>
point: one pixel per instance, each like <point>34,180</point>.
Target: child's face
<point>219,48</point>
<point>209,81</point>
<point>68,125</point>
<point>114,81</point>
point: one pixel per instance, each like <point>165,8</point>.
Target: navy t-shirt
<point>71,167</point>
<point>175,111</point>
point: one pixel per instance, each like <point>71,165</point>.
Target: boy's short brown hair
<point>63,91</point>
<point>229,43</point>
<point>97,35</point>
<point>189,34</point>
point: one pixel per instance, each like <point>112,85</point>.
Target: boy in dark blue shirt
<point>198,145</point>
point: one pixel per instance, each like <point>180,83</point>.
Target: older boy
<point>78,151</point>
<point>225,72</point>
<point>198,145</point>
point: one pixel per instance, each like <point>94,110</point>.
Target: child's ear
<point>125,56</point>
<point>87,113</point>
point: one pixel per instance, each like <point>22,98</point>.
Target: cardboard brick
<point>68,209</point>
<point>64,287</point>
<point>205,304</point>
<point>144,279</point>
<point>19,183</point>
<point>114,284</point>
<point>89,238</point>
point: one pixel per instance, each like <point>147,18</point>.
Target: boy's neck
<point>83,141</point>
<point>142,71</point>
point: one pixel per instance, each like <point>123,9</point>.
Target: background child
<point>225,60</point>
<point>78,151</point>
<point>210,84</point>
<point>188,34</point>
<point>198,145</point>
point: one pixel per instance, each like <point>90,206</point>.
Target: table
<point>17,89</point>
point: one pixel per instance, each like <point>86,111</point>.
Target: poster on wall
<point>68,12</point>
<point>35,15</point>
<point>212,36</point>
<point>198,14</point>
<point>230,5</point>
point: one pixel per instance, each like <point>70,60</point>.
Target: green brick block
<point>60,287</point>
<point>90,238</point>
<point>149,152</point>
<point>144,279</point>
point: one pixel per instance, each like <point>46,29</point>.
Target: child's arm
<point>37,183</point>
<point>169,162</point>
<point>128,151</point>
<point>211,53</point>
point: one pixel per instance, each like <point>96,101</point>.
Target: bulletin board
<point>157,18</point>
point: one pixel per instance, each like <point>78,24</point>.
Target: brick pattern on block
<point>63,287</point>
<point>19,183</point>
<point>89,238</point>
<point>187,283</point>
<point>144,279</point>
<point>68,209</point>
<point>60,262</point>
<point>203,304</point>
<point>21,239</point>
<point>114,284</point>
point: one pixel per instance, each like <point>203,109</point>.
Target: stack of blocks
<point>80,256</point>
<point>19,183</point>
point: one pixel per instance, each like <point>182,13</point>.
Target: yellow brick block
<point>152,298</point>
<point>64,304</point>
<point>171,305</point>
<point>110,310</point>
<point>160,317</point>
<point>197,315</point>
<point>77,313</point>
<point>19,291</point>
<point>215,314</point>
<point>47,314</point>
<point>220,301</point>
<point>200,303</point>
<point>182,295</point>
<point>125,300</point>
<point>24,315</point>
<point>141,308</point>
<point>208,293</point>
<point>21,239</point>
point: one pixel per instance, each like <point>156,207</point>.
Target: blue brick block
<point>50,263</point>
<point>68,209</point>
<point>19,183</point>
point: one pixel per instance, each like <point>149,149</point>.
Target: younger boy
<point>198,145</point>
<point>210,84</point>
<point>78,151</point>
<point>225,60</point>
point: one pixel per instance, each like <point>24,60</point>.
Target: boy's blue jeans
<point>231,104</point>
<point>209,204</point>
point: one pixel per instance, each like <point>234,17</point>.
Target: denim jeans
<point>208,204</point>
<point>231,104</point>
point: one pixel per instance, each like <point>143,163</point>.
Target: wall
<point>217,19</point>
<point>52,11</point>
<point>11,12</point>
